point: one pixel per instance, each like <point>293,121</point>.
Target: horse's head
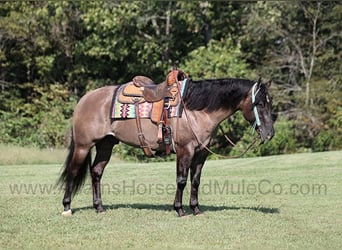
<point>258,110</point>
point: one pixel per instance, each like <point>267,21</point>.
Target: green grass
<point>278,202</point>
<point>11,154</point>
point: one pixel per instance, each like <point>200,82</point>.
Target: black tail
<point>66,176</point>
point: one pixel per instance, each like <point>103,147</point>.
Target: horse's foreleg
<point>195,177</point>
<point>183,163</point>
<point>103,154</point>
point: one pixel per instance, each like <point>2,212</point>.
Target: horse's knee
<point>181,182</point>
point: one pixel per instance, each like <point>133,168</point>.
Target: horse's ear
<point>181,75</point>
<point>259,82</point>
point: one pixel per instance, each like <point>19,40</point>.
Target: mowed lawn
<point>278,202</point>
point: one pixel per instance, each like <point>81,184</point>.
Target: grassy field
<point>278,202</point>
<point>20,155</point>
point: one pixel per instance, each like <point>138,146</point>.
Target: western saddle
<point>166,94</point>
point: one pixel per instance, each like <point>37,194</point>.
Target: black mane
<point>214,94</point>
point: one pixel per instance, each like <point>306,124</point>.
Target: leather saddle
<point>143,89</point>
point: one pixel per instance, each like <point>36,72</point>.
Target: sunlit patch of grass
<point>238,213</point>
<point>29,155</point>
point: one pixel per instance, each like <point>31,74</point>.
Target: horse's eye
<point>261,104</point>
<point>268,99</point>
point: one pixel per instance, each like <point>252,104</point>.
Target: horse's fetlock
<point>66,201</point>
<point>97,202</point>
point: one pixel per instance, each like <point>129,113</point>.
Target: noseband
<point>254,93</point>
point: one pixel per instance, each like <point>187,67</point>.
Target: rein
<point>257,123</point>
<point>229,157</point>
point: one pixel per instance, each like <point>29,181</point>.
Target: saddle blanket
<point>121,110</point>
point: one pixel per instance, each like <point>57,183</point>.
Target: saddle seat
<point>152,92</point>
<point>142,81</point>
<point>143,89</point>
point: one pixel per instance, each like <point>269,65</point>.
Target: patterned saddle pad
<point>124,108</point>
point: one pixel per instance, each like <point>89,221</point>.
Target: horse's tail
<point>66,176</point>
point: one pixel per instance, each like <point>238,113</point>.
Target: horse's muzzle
<point>266,135</point>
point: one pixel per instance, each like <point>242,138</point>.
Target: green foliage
<point>302,57</point>
<point>42,121</point>
<point>52,52</point>
<point>218,59</point>
<point>283,142</point>
<point>29,155</point>
<point>128,153</point>
<point>330,137</point>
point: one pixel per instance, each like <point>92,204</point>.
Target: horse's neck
<point>218,116</point>
<point>203,124</point>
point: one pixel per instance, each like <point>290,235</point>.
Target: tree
<point>76,46</point>
<point>221,59</point>
<point>297,41</point>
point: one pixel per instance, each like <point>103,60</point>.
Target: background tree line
<point>52,52</point>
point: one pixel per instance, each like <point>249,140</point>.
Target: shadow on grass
<point>167,207</point>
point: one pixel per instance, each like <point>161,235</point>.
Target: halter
<point>254,93</point>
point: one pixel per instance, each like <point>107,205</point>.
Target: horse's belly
<point>126,131</point>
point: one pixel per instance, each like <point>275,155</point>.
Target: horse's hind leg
<point>74,173</point>
<point>103,153</point>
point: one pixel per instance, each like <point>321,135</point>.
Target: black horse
<point>206,104</point>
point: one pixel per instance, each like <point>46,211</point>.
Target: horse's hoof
<point>67,213</point>
<point>99,209</point>
<point>181,213</point>
<point>196,211</point>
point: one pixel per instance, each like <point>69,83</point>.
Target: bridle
<point>257,122</point>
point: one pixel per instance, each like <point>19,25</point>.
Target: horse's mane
<point>213,94</point>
